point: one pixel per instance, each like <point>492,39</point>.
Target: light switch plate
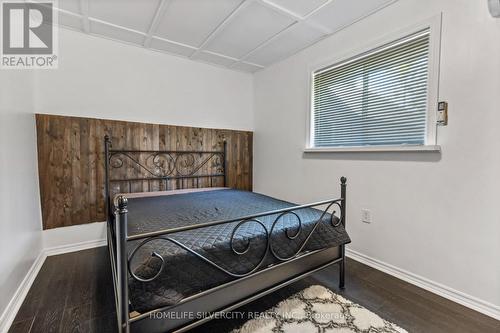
<point>442,114</point>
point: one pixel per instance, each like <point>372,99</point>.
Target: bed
<point>182,255</point>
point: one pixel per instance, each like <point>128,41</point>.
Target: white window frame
<point>434,26</point>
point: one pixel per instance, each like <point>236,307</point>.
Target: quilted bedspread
<point>184,274</point>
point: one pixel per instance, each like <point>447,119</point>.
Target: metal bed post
<point>122,271</point>
<point>107,144</point>
<point>111,230</point>
<point>343,190</point>
<point>225,162</point>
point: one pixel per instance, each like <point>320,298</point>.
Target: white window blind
<point>378,99</point>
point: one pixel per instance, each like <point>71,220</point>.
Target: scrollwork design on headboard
<point>139,169</point>
<point>162,164</point>
<point>166,164</point>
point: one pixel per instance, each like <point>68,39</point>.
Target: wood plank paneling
<point>71,161</point>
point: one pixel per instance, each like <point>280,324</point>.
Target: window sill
<point>373,149</point>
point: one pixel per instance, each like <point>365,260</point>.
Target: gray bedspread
<point>184,273</point>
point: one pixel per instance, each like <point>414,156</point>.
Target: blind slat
<point>416,88</point>
<point>381,115</point>
<point>380,126</point>
<point>382,59</point>
<point>408,58</point>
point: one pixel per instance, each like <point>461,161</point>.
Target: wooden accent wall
<point>71,160</point>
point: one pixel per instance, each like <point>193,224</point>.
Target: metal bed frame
<point>168,166</point>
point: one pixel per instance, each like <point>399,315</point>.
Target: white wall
<point>435,215</point>
<point>106,79</point>
<point>20,229</point>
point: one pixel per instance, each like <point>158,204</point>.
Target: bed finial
<point>107,140</point>
<point>343,180</point>
<point>122,203</point>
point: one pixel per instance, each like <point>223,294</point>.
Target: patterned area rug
<point>317,309</point>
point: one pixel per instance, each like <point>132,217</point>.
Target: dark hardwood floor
<point>74,293</point>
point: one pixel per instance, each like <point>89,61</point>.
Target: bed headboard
<point>129,171</point>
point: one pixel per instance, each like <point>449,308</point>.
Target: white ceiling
<point>245,35</point>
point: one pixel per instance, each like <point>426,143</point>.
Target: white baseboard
<point>52,251</point>
<point>71,235</point>
<point>456,296</point>
<point>15,303</point>
<point>11,309</point>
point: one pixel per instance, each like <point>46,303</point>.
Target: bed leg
<point>343,193</point>
<point>121,235</point>
<point>342,268</point>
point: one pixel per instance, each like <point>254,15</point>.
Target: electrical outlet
<point>366,216</point>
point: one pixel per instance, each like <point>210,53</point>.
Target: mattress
<point>184,274</point>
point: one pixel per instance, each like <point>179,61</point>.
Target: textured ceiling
<point>244,35</point>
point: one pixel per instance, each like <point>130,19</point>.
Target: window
<point>378,99</point>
